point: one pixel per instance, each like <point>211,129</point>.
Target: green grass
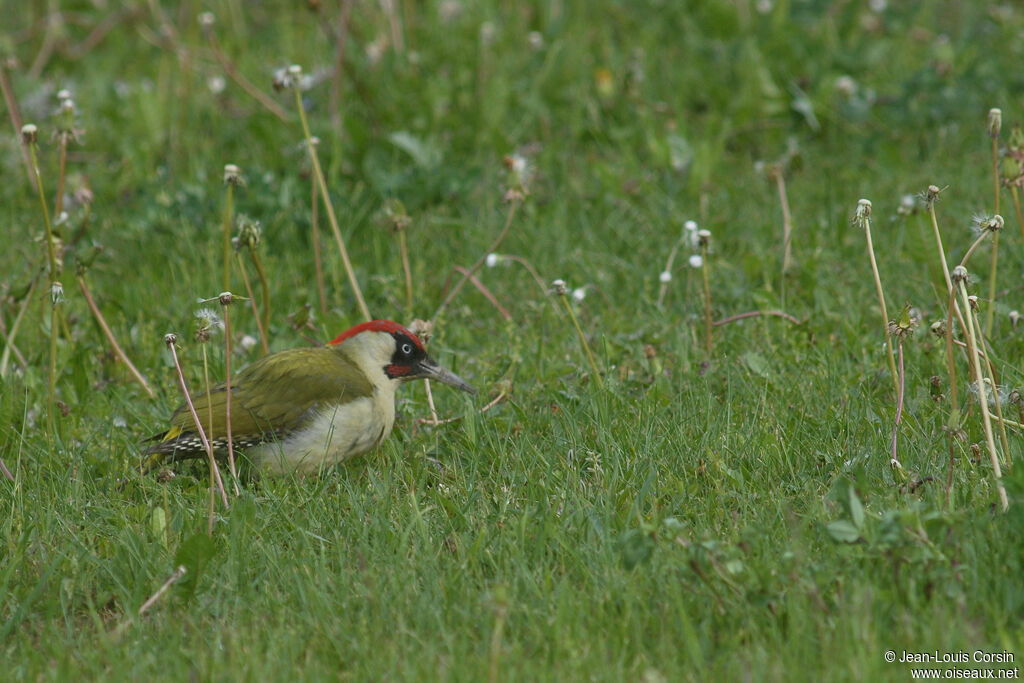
<point>693,521</point>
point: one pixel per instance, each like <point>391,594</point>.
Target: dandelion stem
<point>881,302</point>
<point>215,471</point>
<point>54,274</point>
<point>5,358</point>
<point>995,241</point>
<point>252,304</point>
<point>6,472</point>
<point>938,242</point>
<point>754,314</point>
<point>988,367</point>
<point>1016,205</point>
<point>15,114</point>
<point>787,222</point>
<point>951,367</point>
<point>53,370</point>
<point>1012,423</point>
<point>982,398</point>
<point>317,261</point>
<point>974,245</point>
<point>955,308</point>
<point>487,293</point>
<point>707,300</point>
<point>209,418</point>
<point>234,74</point>
<point>225,300</point>
<point>668,269</point>
<point>228,201</point>
<point>430,402</point>
<point>110,337</point>
<point>332,219</point>
<point>171,580</point>
<point>63,156</point>
<point>894,461</point>
<point>529,267</point>
<point>264,285</point>
<point>583,341</point>
<point>479,262</point>
<point>405,269</point>
<point>433,421</point>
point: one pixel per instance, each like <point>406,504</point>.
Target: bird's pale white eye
<point>406,349</point>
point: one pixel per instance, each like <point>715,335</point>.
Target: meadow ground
<point>662,514</point>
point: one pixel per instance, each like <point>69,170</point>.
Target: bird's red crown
<point>376,326</point>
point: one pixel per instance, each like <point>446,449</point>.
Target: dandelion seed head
<point>984,223</point>
<point>579,294</point>
<point>845,85</point>
<point>665,277</point>
<point>487,31</point>
<point>696,261</point>
<point>992,393</point>
<point>908,203</point>
<point>492,260</point>
<point>449,10</point>
<point>559,287</point>
<point>424,329</point>
<point>863,208</point>
<point>232,175</point>
<point>995,122</point>
<point>209,319</point>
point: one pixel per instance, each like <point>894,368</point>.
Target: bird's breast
<point>330,435</point>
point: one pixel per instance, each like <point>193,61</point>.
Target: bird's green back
<point>279,389</point>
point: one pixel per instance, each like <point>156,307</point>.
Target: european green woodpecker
<point>304,409</point>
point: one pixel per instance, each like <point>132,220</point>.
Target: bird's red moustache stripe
<point>394,370</point>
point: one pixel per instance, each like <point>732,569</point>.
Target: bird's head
<point>385,346</point>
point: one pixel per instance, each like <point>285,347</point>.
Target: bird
<point>301,410</point>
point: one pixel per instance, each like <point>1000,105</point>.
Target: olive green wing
<point>269,398</point>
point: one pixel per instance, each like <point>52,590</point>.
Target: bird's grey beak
<point>430,369</point>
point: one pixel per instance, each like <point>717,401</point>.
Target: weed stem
<point>583,341</point>
<point>479,263</point>
<point>866,223</point>
<point>707,300</point>
<point>252,304</point>
<point>225,302</point>
<point>982,398</point>
<point>171,339</point>
<point>332,219</point>
<point>110,337</point>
